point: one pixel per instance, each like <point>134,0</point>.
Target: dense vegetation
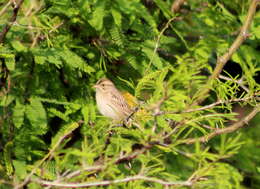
<point>192,66</point>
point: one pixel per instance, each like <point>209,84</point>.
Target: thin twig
<point>5,8</point>
<point>67,175</point>
<point>23,25</point>
<point>111,182</point>
<point>35,39</point>
<point>229,129</point>
<point>207,127</point>
<point>221,62</point>
<point>180,124</point>
<point>157,43</point>
<point>239,82</point>
<point>11,21</point>
<point>132,155</point>
<point>38,36</point>
<point>209,106</point>
<point>85,169</point>
<point>56,27</point>
<point>218,103</point>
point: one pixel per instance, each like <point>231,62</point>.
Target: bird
<point>110,101</point>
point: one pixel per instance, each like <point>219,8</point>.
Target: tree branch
<point>221,62</point>
<point>229,129</point>
<point>110,182</point>
<point>11,21</point>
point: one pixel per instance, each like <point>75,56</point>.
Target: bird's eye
<point>103,85</point>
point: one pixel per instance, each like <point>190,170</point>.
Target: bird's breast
<point>106,107</point>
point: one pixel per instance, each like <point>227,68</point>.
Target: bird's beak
<point>94,86</point>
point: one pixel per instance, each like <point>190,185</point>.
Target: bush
<point>192,66</point>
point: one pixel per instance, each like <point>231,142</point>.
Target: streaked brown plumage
<point>110,101</point>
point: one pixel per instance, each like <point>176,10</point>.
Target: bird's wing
<point>119,101</point>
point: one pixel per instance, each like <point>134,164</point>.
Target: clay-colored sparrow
<point>111,103</point>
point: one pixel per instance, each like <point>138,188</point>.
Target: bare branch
<point>229,129</point>
<point>70,175</point>
<point>11,21</point>
<point>111,182</point>
<point>221,62</point>
<point>78,172</point>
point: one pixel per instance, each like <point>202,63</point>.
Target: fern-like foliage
<point>51,132</point>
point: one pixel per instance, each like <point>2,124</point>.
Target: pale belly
<point>106,109</point>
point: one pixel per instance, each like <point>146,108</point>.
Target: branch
<point>67,175</point>
<point>133,154</point>
<point>176,5</point>
<point>11,21</point>
<point>39,37</point>
<point>157,43</point>
<point>5,7</point>
<point>110,182</point>
<point>243,35</point>
<point>78,172</point>
<point>220,102</point>
<point>229,129</point>
<point>239,82</point>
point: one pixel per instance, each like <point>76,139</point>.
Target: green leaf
<point>147,82</point>
<point>18,46</point>
<point>18,114</point>
<point>40,59</point>
<point>9,57</point>
<point>74,61</point>
<point>98,15</point>
<point>6,100</point>
<point>116,35</point>
<point>63,132</point>
<point>164,8</point>
<point>20,168</point>
<point>7,158</point>
<point>36,114</point>
<point>54,101</point>
<point>149,50</point>
<point>50,55</point>
<point>58,113</point>
<point>10,63</point>
<point>117,17</point>
<point>85,112</point>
